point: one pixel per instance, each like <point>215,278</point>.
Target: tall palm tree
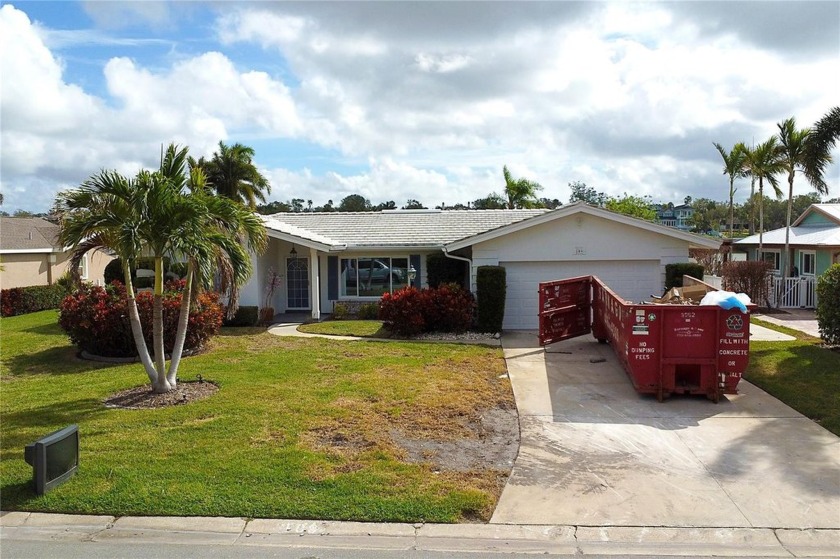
<point>520,193</point>
<point>733,165</point>
<point>792,153</point>
<point>818,145</point>
<point>167,212</point>
<point>762,162</point>
<point>231,173</point>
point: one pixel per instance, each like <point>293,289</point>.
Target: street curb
<point>487,538</point>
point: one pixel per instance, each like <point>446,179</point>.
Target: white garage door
<point>635,280</point>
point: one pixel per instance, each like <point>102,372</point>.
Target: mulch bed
<point>141,397</point>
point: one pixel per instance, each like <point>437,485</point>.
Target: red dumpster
<point>665,349</point>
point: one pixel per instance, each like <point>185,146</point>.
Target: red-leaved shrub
<point>448,308</point>
<point>401,311</point>
<point>96,318</point>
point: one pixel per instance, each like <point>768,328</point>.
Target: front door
<point>297,284</point>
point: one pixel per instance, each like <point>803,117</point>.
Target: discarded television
<point>54,458</point>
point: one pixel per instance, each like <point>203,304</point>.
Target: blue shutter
<point>415,261</point>
<point>332,278</point>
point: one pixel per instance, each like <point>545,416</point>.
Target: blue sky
<point>420,100</point>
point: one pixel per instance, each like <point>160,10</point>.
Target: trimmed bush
<point>96,319</point>
<point>440,269</point>
<point>828,305</point>
<point>675,272</point>
<point>402,311</point>
<point>368,311</point>
<point>24,300</point>
<point>491,287</point>
<point>751,277</point>
<point>114,272</point>
<point>341,311</point>
<point>245,316</point>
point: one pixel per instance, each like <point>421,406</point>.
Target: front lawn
<point>358,328</point>
<point>800,373</point>
<point>300,428</point>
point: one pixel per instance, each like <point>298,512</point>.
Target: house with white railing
<point>814,242</point>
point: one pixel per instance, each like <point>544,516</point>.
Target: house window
<point>372,276</point>
<point>808,262</point>
<point>773,257</point>
<point>83,267</point>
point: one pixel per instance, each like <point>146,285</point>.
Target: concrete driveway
<point>593,452</point>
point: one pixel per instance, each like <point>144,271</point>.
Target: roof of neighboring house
<point>831,211</point>
<point>28,234</point>
<point>817,236</point>
<point>394,228</point>
<point>454,229</point>
<point>821,234</point>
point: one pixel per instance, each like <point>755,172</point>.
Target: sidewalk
<point>804,320</point>
<point>482,538</point>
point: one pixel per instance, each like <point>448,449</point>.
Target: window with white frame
<point>774,257</point>
<point>83,267</point>
<point>807,263</point>
<point>372,276</point>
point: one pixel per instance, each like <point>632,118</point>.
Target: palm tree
<point>733,165</point>
<point>520,193</point>
<point>818,146</point>
<point>232,173</point>
<point>762,162</point>
<point>167,212</point>
<point>793,143</point>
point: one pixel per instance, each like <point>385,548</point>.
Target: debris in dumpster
<point>727,300</point>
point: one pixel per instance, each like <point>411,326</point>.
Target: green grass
<point>359,328</point>
<point>800,373</point>
<point>300,428</point>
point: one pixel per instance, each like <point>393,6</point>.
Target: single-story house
<point>814,242</point>
<point>814,246</point>
<point>323,258</point>
<point>30,254</point>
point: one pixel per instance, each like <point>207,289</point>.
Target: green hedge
<point>491,287</point>
<point>674,273</point>
<point>440,269</point>
<point>828,305</point>
<point>24,300</point>
<point>245,316</point>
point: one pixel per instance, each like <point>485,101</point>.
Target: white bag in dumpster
<point>727,300</point>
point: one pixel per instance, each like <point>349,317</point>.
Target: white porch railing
<point>796,292</point>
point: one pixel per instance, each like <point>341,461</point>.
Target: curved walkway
<point>291,329</point>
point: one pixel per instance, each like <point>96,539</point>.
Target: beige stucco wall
<point>23,270</point>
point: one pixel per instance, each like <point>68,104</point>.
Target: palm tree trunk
<point>181,334</point>
<point>760,217</point>
<point>731,206</point>
<point>137,326</point>
<point>786,267</point>
<point>162,385</point>
<point>752,206</point>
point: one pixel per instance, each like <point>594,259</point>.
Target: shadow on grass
<point>48,417</point>
<point>17,495</point>
<point>238,331</point>
<point>48,330</point>
<point>53,361</point>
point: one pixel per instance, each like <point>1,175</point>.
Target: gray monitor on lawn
<point>54,458</point>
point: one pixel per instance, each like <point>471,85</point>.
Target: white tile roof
<point>400,228</point>
<point>27,233</point>
<point>818,236</point>
<point>831,210</point>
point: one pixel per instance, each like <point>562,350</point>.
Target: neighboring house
<point>328,257</point>
<point>814,247</point>
<point>675,216</point>
<point>30,255</point>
